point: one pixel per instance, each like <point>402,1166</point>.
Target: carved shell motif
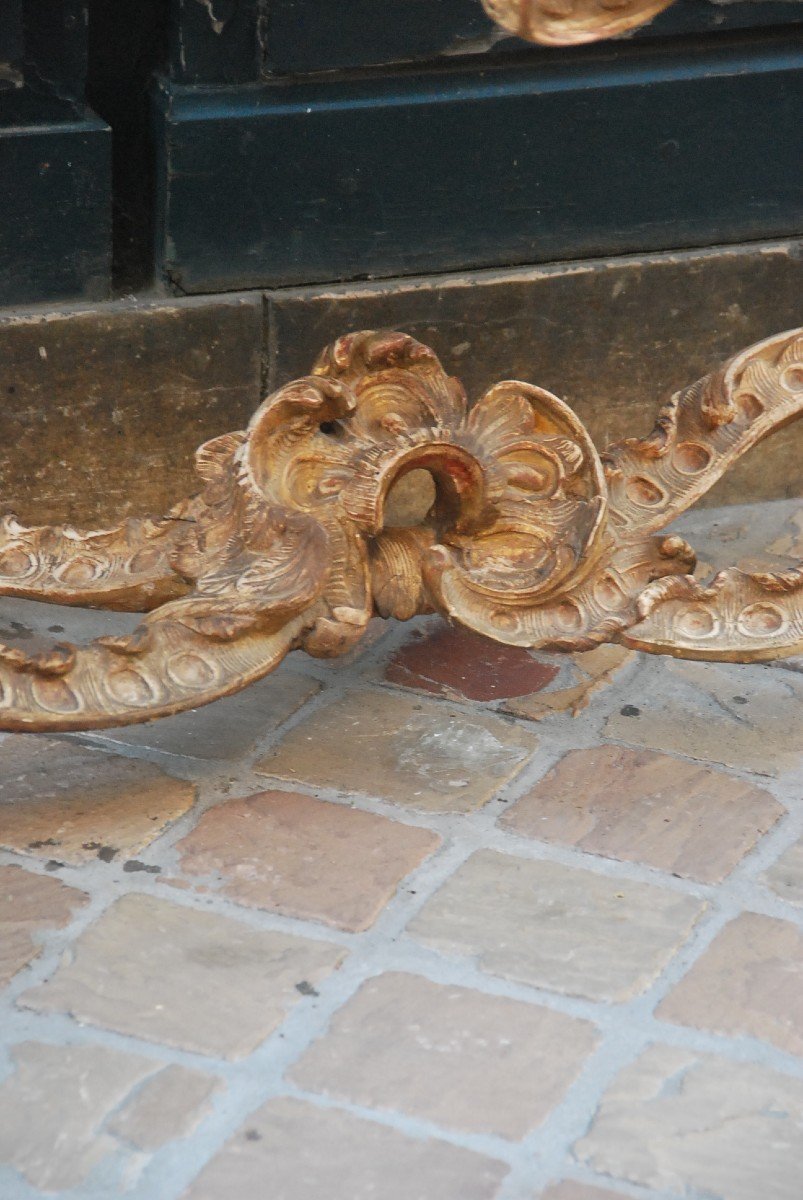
<point>520,491</point>
<point>571,22</point>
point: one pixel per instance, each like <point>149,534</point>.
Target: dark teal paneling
<point>648,147</point>
<point>55,159</point>
<point>303,36</point>
<point>55,232</point>
<point>239,41</point>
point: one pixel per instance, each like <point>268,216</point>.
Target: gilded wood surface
<point>570,22</point>
<point>533,538</point>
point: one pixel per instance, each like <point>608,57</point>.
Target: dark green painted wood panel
<point>237,41</point>
<point>127,43</point>
<point>55,43</point>
<point>12,45</point>
<point>55,159</point>
<point>318,35</point>
<point>55,233</point>
<point>219,42</point>
<point>640,148</point>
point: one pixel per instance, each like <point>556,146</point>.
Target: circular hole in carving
<point>129,687</point>
<point>329,427</point>
<point>697,622</point>
<point>409,500</point>
<point>17,563</point>
<point>792,377</point>
<point>569,617</point>
<point>761,620</point>
<point>192,671</point>
<point>505,620</point>
<point>80,572</point>
<point>644,492</point>
<point>55,695</point>
<point>609,594</point>
<point>691,458</point>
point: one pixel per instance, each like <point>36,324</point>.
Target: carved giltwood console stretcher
<point>534,538</point>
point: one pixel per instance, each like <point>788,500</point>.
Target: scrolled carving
<point>571,22</point>
<point>126,567</point>
<point>533,537</point>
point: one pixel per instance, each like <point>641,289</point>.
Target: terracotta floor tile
<point>63,801</point>
<point>420,753</point>
<point>53,1105</point>
<point>184,978</point>
<point>749,981</point>
<point>644,807</point>
<point>308,1153</point>
<point>582,674</point>
<point>786,875</point>
<point>448,660</point>
<point>188,1046</point>
<point>741,716</point>
<point>29,905</point>
<point>305,858</point>
<point>570,1190</point>
<point>168,1105</point>
<point>464,1060</point>
<point>557,927</point>
<point>689,1124</point>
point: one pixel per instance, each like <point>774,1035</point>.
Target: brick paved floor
<point>406,927</point>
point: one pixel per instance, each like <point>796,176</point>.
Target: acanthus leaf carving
<point>533,538</point>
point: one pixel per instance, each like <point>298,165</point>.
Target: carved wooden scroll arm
<point>126,567</point>
<point>533,539</point>
<point>739,615</point>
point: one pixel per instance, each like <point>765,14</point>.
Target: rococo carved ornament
<point>533,538</point>
<point>571,22</point>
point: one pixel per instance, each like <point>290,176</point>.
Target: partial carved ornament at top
<point>571,22</point>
